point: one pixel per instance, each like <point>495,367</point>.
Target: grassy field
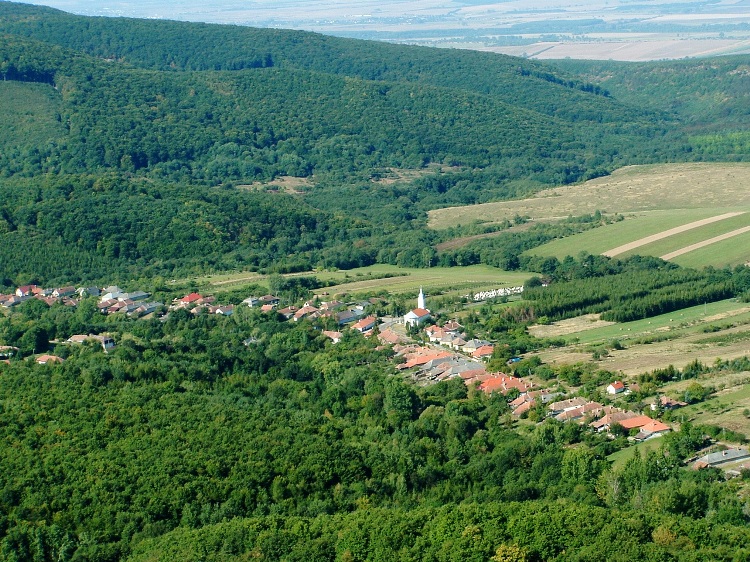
<point>732,251</point>
<point>622,456</point>
<point>633,189</point>
<point>388,278</point>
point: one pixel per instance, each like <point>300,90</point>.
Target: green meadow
<point>387,278</point>
<point>734,251</point>
<point>622,456</point>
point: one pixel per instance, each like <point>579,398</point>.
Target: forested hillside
<point>182,443</point>
<point>184,108</point>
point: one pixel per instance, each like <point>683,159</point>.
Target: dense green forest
<point>183,443</point>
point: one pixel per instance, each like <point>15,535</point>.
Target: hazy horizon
<point>617,29</point>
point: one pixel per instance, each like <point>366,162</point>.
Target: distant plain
<point>542,29</point>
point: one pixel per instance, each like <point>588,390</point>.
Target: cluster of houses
<point>343,314</point>
<point>198,304</point>
<point>68,296</point>
<point>596,415</point>
<point>135,304</point>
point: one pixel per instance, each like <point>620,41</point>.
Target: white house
<point>616,387</point>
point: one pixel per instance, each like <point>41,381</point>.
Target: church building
<point>419,315</point>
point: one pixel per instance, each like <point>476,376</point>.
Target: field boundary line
<point>704,243</point>
<point>667,233</point>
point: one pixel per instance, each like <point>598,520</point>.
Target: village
<point>423,352</point>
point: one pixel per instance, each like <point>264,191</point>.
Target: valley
<point>271,294</point>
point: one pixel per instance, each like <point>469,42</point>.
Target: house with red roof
<point>616,387</point>
<point>26,290</point>
<point>366,324</point>
<point>48,359</point>
<point>306,311</point>
<point>503,384</point>
<point>654,428</point>
<point>483,351</point>
<point>191,298</point>
<point>636,422</point>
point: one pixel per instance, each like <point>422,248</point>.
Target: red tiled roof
<point>365,323</point>
<point>503,384</point>
<point>525,407</point>
<point>655,426</point>
<point>636,422</point>
<point>421,359</point>
<point>483,351</point>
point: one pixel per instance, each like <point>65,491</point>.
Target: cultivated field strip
<point>667,233</point>
<point>705,243</point>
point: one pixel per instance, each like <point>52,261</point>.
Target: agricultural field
<point>388,278</point>
<point>687,237</point>
<point>715,187</point>
<point>694,214</point>
<point>706,332</point>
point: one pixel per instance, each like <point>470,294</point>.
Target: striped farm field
<point>683,240</point>
<point>734,250</point>
<point>634,227</point>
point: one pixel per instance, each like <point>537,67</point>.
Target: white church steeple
<point>420,300</point>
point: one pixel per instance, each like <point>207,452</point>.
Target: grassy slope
<point>629,189</point>
<point>390,278</point>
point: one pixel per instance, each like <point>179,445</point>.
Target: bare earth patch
<point>569,326</point>
<point>671,232</point>
<point>282,184</point>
